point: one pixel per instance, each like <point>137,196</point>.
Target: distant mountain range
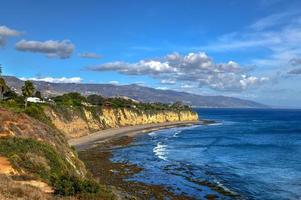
<point>140,93</point>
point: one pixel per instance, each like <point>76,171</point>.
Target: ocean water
<point>253,153</point>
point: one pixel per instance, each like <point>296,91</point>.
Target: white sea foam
<point>160,151</point>
<point>176,133</point>
<point>216,124</point>
<point>152,133</point>
<point>224,187</point>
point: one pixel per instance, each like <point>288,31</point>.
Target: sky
<point>245,49</point>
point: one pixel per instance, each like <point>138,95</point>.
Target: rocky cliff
<point>75,123</point>
<point>22,126</point>
<point>36,162</point>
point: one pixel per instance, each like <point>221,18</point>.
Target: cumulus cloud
<point>51,48</point>
<point>295,71</point>
<point>295,61</point>
<point>193,68</point>
<point>6,32</point>
<point>89,55</point>
<point>55,80</point>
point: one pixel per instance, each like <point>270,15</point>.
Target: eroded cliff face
<point>74,123</point>
<point>22,126</point>
<point>27,169</point>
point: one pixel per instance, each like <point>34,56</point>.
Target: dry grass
<point>12,190</point>
<point>15,190</point>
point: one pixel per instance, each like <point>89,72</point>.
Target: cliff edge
<point>74,122</point>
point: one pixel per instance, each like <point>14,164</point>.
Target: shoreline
<point>115,176</point>
<point>87,141</point>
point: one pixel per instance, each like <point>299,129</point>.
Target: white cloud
<point>168,81</point>
<point>114,82</point>
<point>274,20</point>
<point>195,68</point>
<point>55,80</point>
<point>6,32</point>
<point>295,71</point>
<point>277,35</point>
<point>89,55</point>
<point>162,88</point>
<point>295,61</point>
<point>51,48</point>
<point>187,86</point>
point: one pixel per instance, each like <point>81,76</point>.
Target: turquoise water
<point>255,154</point>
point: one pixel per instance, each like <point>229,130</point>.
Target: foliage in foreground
<point>43,162</point>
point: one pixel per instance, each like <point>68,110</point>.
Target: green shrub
<point>43,161</point>
<point>70,99</point>
<point>120,102</point>
<point>36,111</point>
<point>95,99</point>
<point>71,185</point>
<point>47,163</point>
<point>12,105</point>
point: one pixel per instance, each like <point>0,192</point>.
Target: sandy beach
<point>104,135</point>
<point>95,151</point>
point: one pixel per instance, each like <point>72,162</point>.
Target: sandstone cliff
<point>20,125</point>
<point>36,162</point>
<point>76,123</point>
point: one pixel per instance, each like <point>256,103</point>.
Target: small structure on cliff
<point>34,100</point>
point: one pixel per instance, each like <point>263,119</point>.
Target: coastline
<point>96,153</point>
<point>115,175</point>
<point>87,141</point>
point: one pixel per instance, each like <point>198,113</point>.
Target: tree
<point>0,70</point>
<point>3,88</point>
<point>28,89</point>
<point>95,99</point>
<point>38,94</point>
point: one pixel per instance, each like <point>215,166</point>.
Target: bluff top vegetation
<point>10,99</point>
<point>75,99</point>
<point>17,103</point>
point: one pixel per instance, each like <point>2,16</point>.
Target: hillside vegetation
<point>36,161</point>
<point>75,115</point>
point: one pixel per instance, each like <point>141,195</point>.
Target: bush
<point>36,111</point>
<point>71,185</point>
<point>43,161</point>
<point>76,100</point>
<point>95,99</point>
<point>47,162</point>
<point>12,105</point>
<point>70,99</point>
<point>11,95</point>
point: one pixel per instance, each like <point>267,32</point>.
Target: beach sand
<point>104,135</point>
<point>95,151</point>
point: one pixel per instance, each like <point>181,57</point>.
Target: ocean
<point>249,153</point>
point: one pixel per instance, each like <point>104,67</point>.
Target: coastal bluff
<point>74,123</point>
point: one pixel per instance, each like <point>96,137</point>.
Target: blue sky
<point>246,49</point>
